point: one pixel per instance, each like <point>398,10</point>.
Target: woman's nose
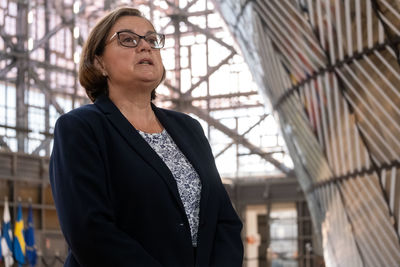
<point>143,45</point>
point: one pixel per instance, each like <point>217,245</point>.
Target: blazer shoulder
<point>87,114</point>
<point>86,111</point>
<point>187,123</point>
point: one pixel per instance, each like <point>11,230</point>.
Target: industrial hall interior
<point>298,99</point>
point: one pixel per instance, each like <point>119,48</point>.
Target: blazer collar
<point>137,143</point>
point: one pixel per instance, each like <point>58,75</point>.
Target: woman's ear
<point>98,63</point>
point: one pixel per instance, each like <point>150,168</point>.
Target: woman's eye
<point>127,40</point>
<point>151,40</point>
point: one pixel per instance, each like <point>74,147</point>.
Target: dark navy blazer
<point>118,203</point>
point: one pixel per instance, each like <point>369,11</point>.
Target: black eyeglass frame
<point>160,35</point>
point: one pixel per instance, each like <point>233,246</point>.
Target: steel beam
<point>243,134</point>
<point>236,106</point>
<point>46,38</point>
<point>3,72</point>
<point>15,55</point>
<point>22,37</point>
<point>48,97</point>
<point>178,15</point>
<point>209,73</point>
<point>47,91</point>
<point>183,15</point>
<point>43,145</point>
<point>184,102</point>
<point>210,97</point>
<point>170,86</point>
<point>3,144</point>
<point>207,33</point>
<point>6,38</point>
<point>25,130</point>
<point>236,136</point>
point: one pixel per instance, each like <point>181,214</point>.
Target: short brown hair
<point>90,77</point>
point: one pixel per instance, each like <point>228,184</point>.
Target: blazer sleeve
<point>228,245</point>
<point>80,191</point>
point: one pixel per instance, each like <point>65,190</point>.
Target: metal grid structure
<point>40,44</point>
<point>331,69</point>
<point>40,47</point>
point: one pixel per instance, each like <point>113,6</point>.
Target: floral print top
<point>186,177</point>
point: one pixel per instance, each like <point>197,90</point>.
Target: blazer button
<point>181,224</point>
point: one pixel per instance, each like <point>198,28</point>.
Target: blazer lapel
<point>137,143</point>
<point>188,148</point>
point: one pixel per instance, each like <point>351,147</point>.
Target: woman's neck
<point>137,110</point>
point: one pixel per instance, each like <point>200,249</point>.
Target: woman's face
<point>126,66</point>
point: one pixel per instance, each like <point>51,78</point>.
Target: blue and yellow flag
<point>1,256</point>
<point>30,240</point>
<point>19,241</point>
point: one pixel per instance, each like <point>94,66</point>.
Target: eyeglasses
<point>131,39</point>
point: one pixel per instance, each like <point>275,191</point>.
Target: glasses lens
<point>155,40</point>
<point>128,39</point>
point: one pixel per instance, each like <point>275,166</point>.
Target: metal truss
<point>184,100</point>
<point>332,70</point>
<point>42,60</point>
<point>32,64</point>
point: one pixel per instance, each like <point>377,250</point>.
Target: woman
<point>133,184</point>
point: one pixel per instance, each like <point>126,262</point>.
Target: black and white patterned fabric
<point>186,177</point>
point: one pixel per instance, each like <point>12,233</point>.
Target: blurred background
<point>298,98</point>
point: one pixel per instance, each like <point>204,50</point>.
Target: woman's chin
<point>149,78</point>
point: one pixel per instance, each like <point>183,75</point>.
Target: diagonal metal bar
<point>4,144</point>
<point>182,13</point>
<point>209,73</point>
<point>65,22</point>
<point>209,35</point>
<point>46,38</point>
<point>202,79</point>
<point>42,145</point>
<point>186,8</point>
<point>243,134</point>
<point>390,37</point>
<point>7,68</point>
<point>241,140</point>
<point>47,91</point>
<point>173,88</point>
<point>6,38</point>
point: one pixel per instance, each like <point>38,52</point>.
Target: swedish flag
<point>30,240</point>
<point>19,241</point>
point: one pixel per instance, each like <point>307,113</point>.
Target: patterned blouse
<point>186,177</point>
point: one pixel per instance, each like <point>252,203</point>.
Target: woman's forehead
<point>136,24</point>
